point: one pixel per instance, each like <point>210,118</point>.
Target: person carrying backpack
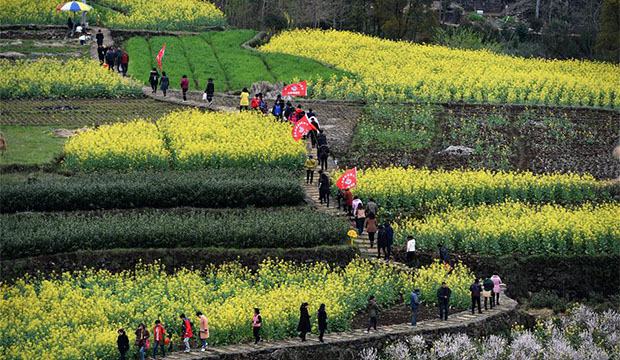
<point>186,331</point>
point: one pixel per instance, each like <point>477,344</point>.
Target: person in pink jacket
<point>497,282</point>
<point>204,330</point>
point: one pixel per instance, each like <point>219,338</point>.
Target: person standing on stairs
<point>304,321</point>
<point>360,219</point>
<point>321,140</point>
<point>389,240</point>
<point>381,241</point>
<point>372,207</point>
<point>348,201</point>
<point>184,86</point>
<point>371,227</point>
<point>324,188</point>
<point>164,83</point>
<point>310,165</point>
<point>323,156</point>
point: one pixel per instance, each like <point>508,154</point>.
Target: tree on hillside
<point>608,39</point>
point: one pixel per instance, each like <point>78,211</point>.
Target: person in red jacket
<point>184,86</point>
<point>159,335</point>
<point>124,62</point>
<point>348,201</point>
<point>255,103</point>
<point>187,331</point>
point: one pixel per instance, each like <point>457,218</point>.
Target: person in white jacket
<point>410,248</point>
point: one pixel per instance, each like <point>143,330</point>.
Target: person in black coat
<point>476,290</point>
<point>154,79</point>
<point>210,90</point>
<point>110,58</point>
<point>444,257</point>
<point>443,298</point>
<point>99,38</point>
<point>101,53</point>
<point>304,321</point>
<point>322,318</point>
<point>389,240</point>
<point>381,241</point>
<point>324,187</point>
<point>122,342</point>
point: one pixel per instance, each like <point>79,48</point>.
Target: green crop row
<point>49,233</point>
<point>213,189</point>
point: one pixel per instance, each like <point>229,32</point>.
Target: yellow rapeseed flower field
<point>76,315</point>
<point>189,139</point>
<point>51,78</point>
<point>423,190</point>
<point>121,146</point>
<point>516,228</point>
<point>388,70</point>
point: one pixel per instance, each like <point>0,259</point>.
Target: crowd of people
<point>112,57</point>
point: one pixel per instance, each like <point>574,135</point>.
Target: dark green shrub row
<point>198,258</point>
<point>570,277</point>
<point>213,188</point>
<point>50,233</point>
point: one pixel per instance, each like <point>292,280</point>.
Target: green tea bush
<point>42,234</point>
<point>213,189</point>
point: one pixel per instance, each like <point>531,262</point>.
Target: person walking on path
<point>324,188</point>
<point>204,329</point>
<point>487,293</point>
<point>323,154</point>
<point>381,241</point>
<point>124,62</point>
<point>209,91</point>
<point>497,286</point>
<point>154,80</point>
<point>373,313</point>
<point>443,298</point>
<point>304,321</point>
<point>122,343</point>
<point>142,337</point>
<point>310,165</point>
<point>101,51</point>
<point>372,207</point>
<point>159,335</point>
<point>360,219</point>
<point>476,290</point>
<point>355,203</point>
<point>321,316</point>
<point>119,55</point>
<point>257,322</point>
<point>389,240</point>
<point>348,201</point>
<point>186,330</point>
<point>164,83</point>
<point>99,38</point>
<point>184,86</point>
<point>414,302</point>
<point>244,100</point>
<point>110,58</point>
<point>410,248</point>
<point>370,224</point>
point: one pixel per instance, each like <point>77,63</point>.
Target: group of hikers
<point>112,57</point>
<point>490,289</point>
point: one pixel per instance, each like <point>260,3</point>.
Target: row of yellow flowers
<point>134,14</point>
<point>404,71</point>
<point>188,139</point>
<point>422,190</point>
<point>516,228</point>
<point>51,78</point>
<point>41,319</point>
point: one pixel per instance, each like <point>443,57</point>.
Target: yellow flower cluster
<point>49,78</point>
<point>516,228</point>
<point>404,71</point>
<point>193,140</point>
<point>246,139</point>
<point>164,14</point>
<point>121,146</point>
<point>423,190</point>
<point>41,319</point>
<point>135,14</point>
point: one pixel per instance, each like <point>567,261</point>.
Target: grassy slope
<point>219,55</point>
<point>30,145</point>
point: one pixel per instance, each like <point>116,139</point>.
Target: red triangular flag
<point>348,179</point>
<point>296,89</point>
<point>160,55</point>
<point>301,128</point>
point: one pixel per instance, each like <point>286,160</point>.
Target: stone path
<point>455,322</point>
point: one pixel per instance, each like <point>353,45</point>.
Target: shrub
<point>548,299</point>
<point>41,234</point>
<point>213,189</point>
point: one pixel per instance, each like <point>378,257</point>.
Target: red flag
<point>296,89</point>
<point>301,128</point>
<point>160,55</point>
<point>348,179</point>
